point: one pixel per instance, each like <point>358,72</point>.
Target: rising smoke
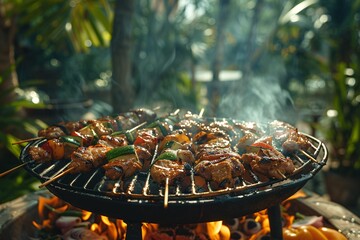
<point>259,100</point>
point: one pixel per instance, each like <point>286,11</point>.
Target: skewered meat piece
<point>144,156</point>
<point>39,154</point>
<point>147,138</point>
<point>101,127</point>
<point>208,134</point>
<point>190,123</point>
<point>186,156</point>
<point>122,167</point>
<point>69,127</point>
<point>246,140</point>
<point>212,154</point>
<point>294,142</point>
<point>220,173</point>
<point>227,128</point>
<point>51,132</point>
<point>86,158</point>
<point>113,141</point>
<point>164,168</point>
<point>270,163</point>
<point>288,137</point>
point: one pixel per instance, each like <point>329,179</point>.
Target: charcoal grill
<point>139,199</point>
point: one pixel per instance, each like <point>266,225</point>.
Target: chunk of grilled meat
<point>189,125</point>
<point>163,169</point>
<point>270,163</point>
<point>51,132</point>
<point>39,154</point>
<point>214,154</point>
<point>85,159</point>
<point>294,142</point>
<point>288,137</point>
<point>222,172</point>
<point>246,140</point>
<point>113,141</point>
<point>122,167</point>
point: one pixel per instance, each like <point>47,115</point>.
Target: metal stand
<point>275,221</point>
<point>133,231</point>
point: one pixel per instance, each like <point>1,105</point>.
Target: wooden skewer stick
<point>201,113</point>
<point>56,177</point>
<point>136,127</point>
<point>308,155</point>
<point>156,108</point>
<point>13,169</point>
<point>281,174</point>
<point>27,140</point>
<point>175,112</point>
<point>166,195</point>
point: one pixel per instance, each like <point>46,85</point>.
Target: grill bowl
<point>140,200</point>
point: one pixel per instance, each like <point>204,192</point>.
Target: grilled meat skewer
<point>102,126</point>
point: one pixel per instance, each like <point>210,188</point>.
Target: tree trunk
<point>214,91</point>
<point>122,90</point>
<point>7,60</point>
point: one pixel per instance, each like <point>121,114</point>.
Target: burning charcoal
<point>237,235</point>
<point>184,233</point>
<point>82,233</point>
<point>67,222</point>
<point>251,226</point>
<point>233,224</point>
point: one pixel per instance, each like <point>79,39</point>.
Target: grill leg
<point>133,231</point>
<point>275,221</point>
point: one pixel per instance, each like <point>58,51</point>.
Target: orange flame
<point>50,208</point>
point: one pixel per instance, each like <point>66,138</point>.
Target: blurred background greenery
<point>296,61</point>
